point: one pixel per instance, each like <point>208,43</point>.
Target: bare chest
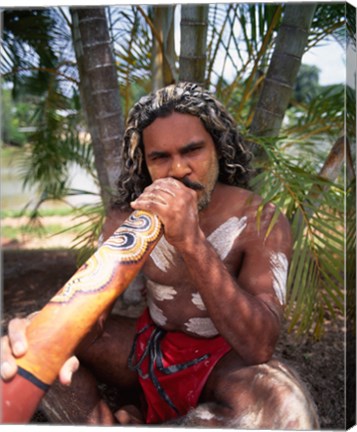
<point>174,303</point>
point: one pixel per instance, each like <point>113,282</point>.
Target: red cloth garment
<point>173,368</point>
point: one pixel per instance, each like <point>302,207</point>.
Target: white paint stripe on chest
<point>163,254</point>
<point>280,266</point>
<point>221,239</point>
<point>156,313</point>
<point>198,302</point>
<point>161,292</point>
<point>224,236</point>
<point>202,327</point>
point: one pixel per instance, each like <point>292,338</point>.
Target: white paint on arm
<point>280,265</point>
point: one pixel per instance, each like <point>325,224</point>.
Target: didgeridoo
<point>59,327</point>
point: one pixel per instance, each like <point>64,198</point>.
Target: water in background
<point>15,197</point>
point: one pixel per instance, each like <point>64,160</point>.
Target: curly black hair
<point>186,98</point>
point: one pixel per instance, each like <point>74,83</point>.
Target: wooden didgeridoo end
<point>59,327</point>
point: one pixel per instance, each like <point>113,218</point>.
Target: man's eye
<point>158,157</point>
<point>193,149</point>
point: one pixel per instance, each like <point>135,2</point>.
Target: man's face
<point>179,146</point>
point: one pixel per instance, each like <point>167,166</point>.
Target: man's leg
<point>104,360</point>
<point>80,403</point>
<point>266,396</point>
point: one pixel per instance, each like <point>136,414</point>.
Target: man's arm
<point>246,310</point>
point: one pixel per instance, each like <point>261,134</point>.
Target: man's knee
<point>106,358</point>
<point>269,396</point>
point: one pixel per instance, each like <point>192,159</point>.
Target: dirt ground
<point>31,277</point>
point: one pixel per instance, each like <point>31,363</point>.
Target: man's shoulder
<point>239,199</point>
<point>246,203</point>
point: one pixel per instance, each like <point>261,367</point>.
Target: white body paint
<point>202,327</point>
<point>222,240</point>
<point>203,412</point>
<point>280,266</point>
<point>161,292</point>
<point>224,236</point>
<point>156,313</point>
<point>163,254</point>
<point>294,408</point>
<point>198,302</point>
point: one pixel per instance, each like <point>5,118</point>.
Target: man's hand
<point>176,206</point>
<point>15,345</point>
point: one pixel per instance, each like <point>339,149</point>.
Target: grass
<point>60,211</point>
<point>15,229</point>
<point>36,231</point>
<point>9,151</point>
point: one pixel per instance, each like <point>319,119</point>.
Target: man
<point>202,351</point>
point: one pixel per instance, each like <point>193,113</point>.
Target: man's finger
<point>67,371</point>
<point>17,336</point>
<point>163,189</point>
<point>147,201</point>
<point>8,366</point>
<point>8,369</point>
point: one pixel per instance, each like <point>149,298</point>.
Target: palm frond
<point>315,283</point>
<point>132,48</point>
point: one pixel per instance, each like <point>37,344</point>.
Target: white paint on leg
<point>224,236</point>
<point>249,419</point>
<point>280,265</point>
<point>161,292</point>
<point>202,412</point>
<point>202,327</point>
<point>285,403</point>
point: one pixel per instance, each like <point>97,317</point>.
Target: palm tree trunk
<point>99,92</point>
<point>283,69</point>
<point>194,23</point>
<point>163,49</point>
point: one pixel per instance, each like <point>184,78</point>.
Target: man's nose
<point>179,168</point>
